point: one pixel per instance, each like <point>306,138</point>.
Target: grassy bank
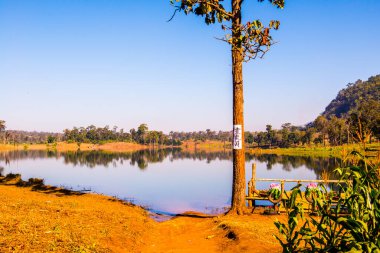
<point>39,218</point>
<point>372,150</point>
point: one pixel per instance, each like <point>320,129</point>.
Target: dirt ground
<point>37,218</point>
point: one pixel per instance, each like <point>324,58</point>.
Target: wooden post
<point>253,176</point>
<point>252,186</point>
<point>250,193</point>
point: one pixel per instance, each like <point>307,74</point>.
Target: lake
<point>168,181</point>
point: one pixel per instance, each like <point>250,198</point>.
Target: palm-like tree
<point>2,127</point>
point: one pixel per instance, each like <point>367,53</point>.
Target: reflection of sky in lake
<point>165,184</point>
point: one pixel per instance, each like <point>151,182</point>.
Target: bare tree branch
<point>177,8</point>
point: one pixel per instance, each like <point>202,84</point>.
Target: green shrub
<point>349,225</point>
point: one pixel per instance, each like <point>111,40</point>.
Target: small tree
<point>248,41</point>
<point>142,132</point>
<point>321,124</point>
<point>51,139</point>
<point>365,120</point>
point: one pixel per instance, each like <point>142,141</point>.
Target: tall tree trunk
<point>238,188</point>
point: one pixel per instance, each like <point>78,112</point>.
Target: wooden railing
<point>255,194</point>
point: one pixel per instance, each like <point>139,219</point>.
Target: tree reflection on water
<point>143,158</point>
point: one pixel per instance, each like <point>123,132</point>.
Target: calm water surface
<point>166,181</point>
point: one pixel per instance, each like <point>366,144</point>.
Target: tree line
<point>26,137</point>
<point>333,131</point>
<point>352,117</point>
<point>141,135</point>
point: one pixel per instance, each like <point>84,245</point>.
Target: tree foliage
<point>254,38</point>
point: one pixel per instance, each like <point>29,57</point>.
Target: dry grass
<point>6,147</point>
<point>32,221</point>
<point>120,147</point>
<point>205,145</point>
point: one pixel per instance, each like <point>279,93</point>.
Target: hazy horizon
<point>78,63</point>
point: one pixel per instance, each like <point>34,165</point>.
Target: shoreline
<point>373,150</point>
<point>39,218</point>
<point>63,146</point>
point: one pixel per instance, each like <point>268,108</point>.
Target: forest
<point>352,117</point>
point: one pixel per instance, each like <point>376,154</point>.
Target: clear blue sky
<point>66,63</point>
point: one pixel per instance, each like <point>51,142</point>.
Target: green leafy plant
<point>290,230</point>
<point>275,191</point>
<point>313,188</point>
<point>350,224</point>
<point>313,191</point>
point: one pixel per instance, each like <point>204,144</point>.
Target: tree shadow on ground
<point>36,184</point>
<point>192,214</point>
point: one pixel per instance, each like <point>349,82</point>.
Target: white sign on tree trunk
<point>237,140</point>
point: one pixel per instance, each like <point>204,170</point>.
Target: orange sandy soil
<point>63,146</point>
<point>47,219</point>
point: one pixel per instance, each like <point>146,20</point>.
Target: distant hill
<point>348,97</point>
